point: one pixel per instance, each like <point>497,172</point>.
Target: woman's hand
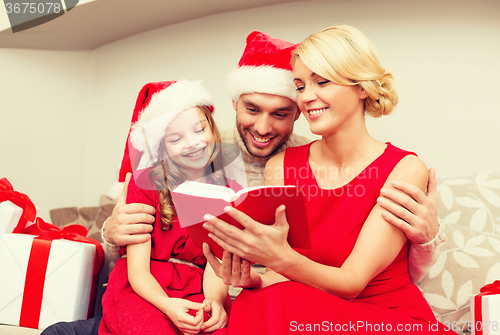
<point>218,316</point>
<point>233,270</point>
<point>178,312</point>
<point>259,243</point>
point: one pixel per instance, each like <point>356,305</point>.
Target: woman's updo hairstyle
<point>345,56</point>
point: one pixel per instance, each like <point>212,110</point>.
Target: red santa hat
<point>264,67</point>
<point>161,102</point>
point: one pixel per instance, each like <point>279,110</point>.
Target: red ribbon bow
<point>493,288</point>
<point>22,200</point>
<point>37,266</point>
<point>489,289</point>
<point>76,232</point>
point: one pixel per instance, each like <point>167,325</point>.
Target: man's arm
<point>415,213</point>
<point>128,224</point>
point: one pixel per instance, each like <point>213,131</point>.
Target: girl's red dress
<point>389,303</point>
<point>126,313</point>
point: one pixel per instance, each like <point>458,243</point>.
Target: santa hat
<point>264,67</point>
<point>156,106</point>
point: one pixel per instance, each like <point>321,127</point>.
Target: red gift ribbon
<point>37,267</point>
<point>490,289</point>
<point>22,200</point>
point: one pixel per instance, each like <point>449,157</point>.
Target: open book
<point>193,200</point>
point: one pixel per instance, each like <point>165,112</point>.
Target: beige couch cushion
<point>469,209</point>
<point>91,218</point>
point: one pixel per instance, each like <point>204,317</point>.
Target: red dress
<point>389,302</point>
<point>124,312</point>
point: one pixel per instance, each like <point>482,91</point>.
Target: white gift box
<point>490,307</point>
<point>68,279</point>
<point>10,214</point>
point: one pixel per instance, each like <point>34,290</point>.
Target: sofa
<point>469,213</point>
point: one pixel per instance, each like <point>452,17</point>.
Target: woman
<point>355,277</point>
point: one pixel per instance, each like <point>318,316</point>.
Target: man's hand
<point>258,243</point>
<point>233,270</point>
<point>129,223</point>
<point>412,211</point>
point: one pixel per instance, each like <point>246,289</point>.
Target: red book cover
<point>193,200</point>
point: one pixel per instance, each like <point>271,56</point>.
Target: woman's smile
<point>314,112</point>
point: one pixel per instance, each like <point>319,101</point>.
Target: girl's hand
<point>178,312</point>
<point>259,243</point>
<point>218,316</point>
<point>233,270</point>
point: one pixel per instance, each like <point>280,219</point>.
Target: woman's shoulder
<point>411,169</point>
<point>273,172</point>
<point>291,154</point>
<point>394,149</point>
<point>276,160</point>
<point>412,164</point>
<point>408,160</point>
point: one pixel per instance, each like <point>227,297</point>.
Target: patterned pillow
<point>91,218</point>
<point>469,210</point>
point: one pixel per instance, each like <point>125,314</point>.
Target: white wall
<point>444,54</point>
<point>43,136</point>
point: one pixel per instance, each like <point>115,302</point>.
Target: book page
<point>246,190</point>
<point>205,190</point>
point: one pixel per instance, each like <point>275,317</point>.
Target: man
<point>264,99</point>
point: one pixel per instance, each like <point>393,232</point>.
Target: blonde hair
<point>345,56</point>
<point>165,181</point>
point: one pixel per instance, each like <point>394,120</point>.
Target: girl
<point>161,287</point>
<point>355,277</point>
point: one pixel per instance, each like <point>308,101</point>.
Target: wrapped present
<point>485,310</point>
<point>48,275</point>
<point>16,209</point>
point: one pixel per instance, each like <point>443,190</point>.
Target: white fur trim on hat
<point>164,107</point>
<point>114,191</point>
<point>179,95</point>
<point>148,136</point>
<point>262,79</point>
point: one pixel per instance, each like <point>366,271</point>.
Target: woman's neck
<point>339,157</point>
<point>350,146</point>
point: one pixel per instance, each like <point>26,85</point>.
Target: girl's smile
<point>186,142</point>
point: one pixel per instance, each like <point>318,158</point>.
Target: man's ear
<point>235,104</point>
<point>297,114</point>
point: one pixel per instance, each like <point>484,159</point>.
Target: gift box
<point>10,217</point>
<point>485,310</point>
<point>45,279</point>
<point>17,211</point>
<point>10,214</point>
